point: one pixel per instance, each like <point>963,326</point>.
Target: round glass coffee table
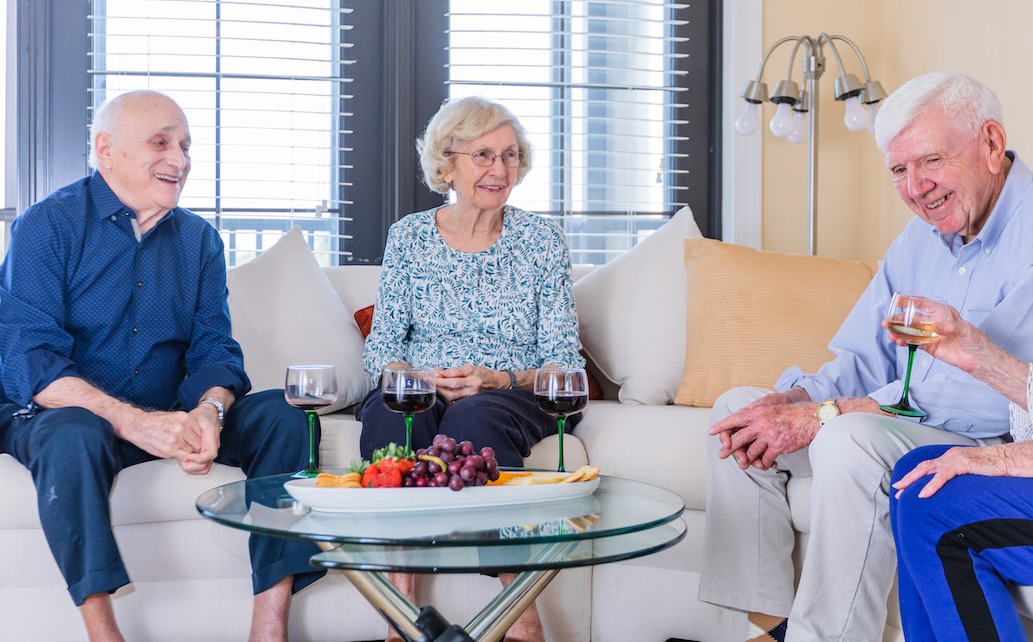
<point>620,520</point>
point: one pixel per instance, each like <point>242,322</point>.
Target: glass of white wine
<point>912,318</point>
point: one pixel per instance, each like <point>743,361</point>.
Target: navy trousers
<point>507,420</point>
<point>958,551</point>
<point>74,455</point>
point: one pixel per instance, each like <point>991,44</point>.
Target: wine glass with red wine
<point>407,391</point>
<point>561,392</point>
<point>310,388</point>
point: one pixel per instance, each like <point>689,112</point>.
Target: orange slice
<point>506,475</point>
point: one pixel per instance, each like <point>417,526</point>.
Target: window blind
<point>599,85</point>
<point>264,86</point>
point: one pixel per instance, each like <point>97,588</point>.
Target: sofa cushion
<point>752,314</point>
<point>632,314</point>
<point>285,311</point>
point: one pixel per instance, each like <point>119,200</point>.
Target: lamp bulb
<point>799,133</point>
<point>855,117</point>
<point>782,124</point>
<point>873,111</point>
<point>748,121</point>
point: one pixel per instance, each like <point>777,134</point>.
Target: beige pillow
<point>631,313</point>
<point>752,314</point>
<point>285,311</point>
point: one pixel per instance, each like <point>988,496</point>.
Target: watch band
<point>218,406</point>
<point>512,379</point>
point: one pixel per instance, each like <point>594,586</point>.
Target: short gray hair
<point>968,102</point>
<point>107,114</point>
<point>465,119</point>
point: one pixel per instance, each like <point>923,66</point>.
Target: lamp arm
<point>771,49</point>
<point>864,65</point>
<point>792,57</point>
<point>835,52</point>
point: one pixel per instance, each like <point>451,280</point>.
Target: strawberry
<point>369,475</point>
<point>379,476</point>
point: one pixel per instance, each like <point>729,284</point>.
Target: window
<point>304,112</point>
<point>263,85</point>
<point>600,86</point>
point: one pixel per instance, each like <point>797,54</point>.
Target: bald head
<point>141,147</point>
<point>108,115</point>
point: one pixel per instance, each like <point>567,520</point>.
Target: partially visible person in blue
<point>477,290</point>
<point>963,516</point>
<point>116,350</point>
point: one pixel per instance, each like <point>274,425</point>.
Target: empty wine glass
<point>912,318</point>
<point>408,391</point>
<point>561,392</point>
<point>310,388</point>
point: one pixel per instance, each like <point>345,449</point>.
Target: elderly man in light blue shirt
<point>972,245</point>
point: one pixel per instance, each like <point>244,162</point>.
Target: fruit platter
<point>447,474</point>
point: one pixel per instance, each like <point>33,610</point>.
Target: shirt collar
<point>106,204</point>
<point>1015,187</point>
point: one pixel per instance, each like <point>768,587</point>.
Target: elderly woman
<point>478,291</point>
<point>963,516</point>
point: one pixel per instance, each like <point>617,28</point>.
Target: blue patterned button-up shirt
<point>508,307</point>
<point>145,321</point>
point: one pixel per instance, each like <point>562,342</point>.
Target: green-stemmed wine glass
<point>408,391</point>
<point>310,387</point>
<point>912,318</point>
<point>561,392</point>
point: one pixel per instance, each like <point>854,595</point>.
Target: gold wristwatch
<point>827,411</point>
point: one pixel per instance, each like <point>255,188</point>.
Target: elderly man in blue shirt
<point>972,245</point>
<point>116,350</point>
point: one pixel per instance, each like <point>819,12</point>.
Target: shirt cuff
<point>217,376</point>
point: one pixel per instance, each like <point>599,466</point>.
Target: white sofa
<point>191,574</point>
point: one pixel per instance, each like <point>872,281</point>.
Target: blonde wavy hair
<point>465,119</point>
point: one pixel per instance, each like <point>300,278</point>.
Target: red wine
<point>408,402</point>
<point>562,403</point>
<point>310,405</point>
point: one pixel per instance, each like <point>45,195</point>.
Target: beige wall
<point>859,213</point>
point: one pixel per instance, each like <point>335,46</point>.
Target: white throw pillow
<point>632,314</point>
<point>285,312</point>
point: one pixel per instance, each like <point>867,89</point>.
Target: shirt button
<point>139,284</point>
<point>962,271</point>
<point>113,217</point>
<point>986,251</point>
<point>136,372</point>
<point>135,330</point>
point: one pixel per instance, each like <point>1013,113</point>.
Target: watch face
<point>826,412</point>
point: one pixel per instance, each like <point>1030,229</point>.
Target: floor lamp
<point>790,120</point>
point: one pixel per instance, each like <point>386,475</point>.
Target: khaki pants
<point>850,562</point>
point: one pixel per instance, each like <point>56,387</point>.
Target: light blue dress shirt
<point>989,281</point>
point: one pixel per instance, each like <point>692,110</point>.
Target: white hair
<point>106,116</point>
<point>967,102</point>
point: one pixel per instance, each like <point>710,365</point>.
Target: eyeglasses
<point>484,158</point>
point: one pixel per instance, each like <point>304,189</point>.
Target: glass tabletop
<point>617,507</point>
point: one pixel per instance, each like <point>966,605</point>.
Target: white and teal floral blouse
<point>508,307</point>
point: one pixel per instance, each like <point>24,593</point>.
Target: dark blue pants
<point>73,456</point>
<point>507,420</point>
<point>958,551</point>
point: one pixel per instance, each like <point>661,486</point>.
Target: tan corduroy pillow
<point>751,314</point>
